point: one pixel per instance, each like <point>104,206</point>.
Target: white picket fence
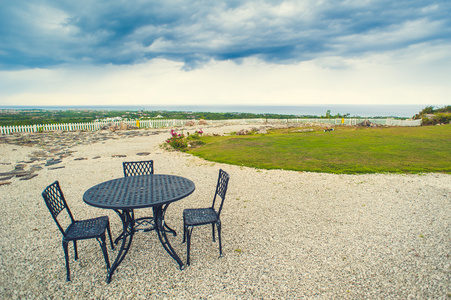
<point>174,123</point>
<point>91,126</point>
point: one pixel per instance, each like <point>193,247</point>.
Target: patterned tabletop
<point>139,191</point>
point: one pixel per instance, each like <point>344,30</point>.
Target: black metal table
<point>125,194</point>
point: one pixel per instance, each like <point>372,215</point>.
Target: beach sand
<point>286,234</point>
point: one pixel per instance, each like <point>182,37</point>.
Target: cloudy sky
<point>174,52</point>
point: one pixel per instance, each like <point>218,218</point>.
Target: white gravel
<point>286,235</point>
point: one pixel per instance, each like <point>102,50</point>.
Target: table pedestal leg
<point>158,213</point>
<point>126,236</point>
<point>166,227</point>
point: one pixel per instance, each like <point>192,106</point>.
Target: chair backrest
<point>133,168</point>
<point>56,203</point>
<point>221,189</point>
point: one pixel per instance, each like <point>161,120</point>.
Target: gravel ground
<point>286,235</point>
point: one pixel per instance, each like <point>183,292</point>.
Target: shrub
<point>440,118</point>
<point>196,135</point>
<point>182,142</point>
<point>177,141</point>
<point>432,116</point>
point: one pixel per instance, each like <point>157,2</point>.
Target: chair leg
<point>213,230</point>
<point>66,256</point>
<point>109,234</point>
<point>75,250</point>
<point>219,238</point>
<point>184,231</point>
<point>189,231</point>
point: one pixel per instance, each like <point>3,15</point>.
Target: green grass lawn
<point>346,150</point>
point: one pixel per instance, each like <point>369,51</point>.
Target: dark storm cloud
<point>41,34</point>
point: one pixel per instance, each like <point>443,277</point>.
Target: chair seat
<point>86,229</point>
<point>199,216</point>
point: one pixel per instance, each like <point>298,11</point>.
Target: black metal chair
<point>202,216</point>
<point>134,168</point>
<point>76,230</point>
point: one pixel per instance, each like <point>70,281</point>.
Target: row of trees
<point>429,115</point>
<point>432,116</point>
<point>16,117</point>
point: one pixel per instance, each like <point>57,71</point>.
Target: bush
<point>180,142</point>
<point>177,141</point>
<point>437,119</point>
<point>196,135</point>
<point>432,116</point>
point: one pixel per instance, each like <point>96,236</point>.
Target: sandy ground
<point>286,235</point>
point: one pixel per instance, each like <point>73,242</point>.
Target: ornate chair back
<point>221,190</point>
<point>134,168</point>
<point>56,203</point>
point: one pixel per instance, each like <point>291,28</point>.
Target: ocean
<point>402,111</point>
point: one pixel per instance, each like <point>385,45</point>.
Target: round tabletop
<point>139,191</point>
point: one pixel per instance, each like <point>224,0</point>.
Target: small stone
<point>35,168</point>
<point>22,174</point>
<point>54,168</point>
<point>53,162</point>
<point>143,153</point>
<point>28,177</point>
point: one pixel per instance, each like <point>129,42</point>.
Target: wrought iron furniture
<point>134,168</point>
<point>76,230</point>
<point>125,194</point>
<point>202,216</point>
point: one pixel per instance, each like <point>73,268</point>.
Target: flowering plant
<point>177,141</point>
<point>196,135</point>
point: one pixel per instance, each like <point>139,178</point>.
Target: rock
<point>29,177</point>
<point>202,122</point>
<point>143,153</point>
<point>190,123</point>
<point>23,173</point>
<point>262,130</point>
<point>367,123</point>
<point>54,168</point>
<point>113,127</point>
<point>123,126</point>
<point>20,167</point>
<point>16,173</point>
<point>52,161</point>
<point>35,168</point>
<point>242,132</point>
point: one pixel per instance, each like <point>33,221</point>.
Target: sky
<point>237,52</point>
